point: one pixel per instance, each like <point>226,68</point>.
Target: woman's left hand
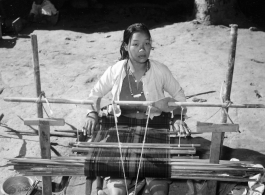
<point>181,128</point>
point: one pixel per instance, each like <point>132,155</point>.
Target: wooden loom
<point>160,160</point>
<point>217,137</point>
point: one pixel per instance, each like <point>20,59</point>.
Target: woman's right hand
<point>91,123</point>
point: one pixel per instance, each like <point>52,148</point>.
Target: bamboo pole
<point>146,151</point>
<point>194,176</point>
<point>176,166</point>
<point>154,131</point>
<point>148,145</point>
<point>243,171</point>
<point>132,103</point>
<point>191,169</point>
<point>82,159</point>
<point>51,134</point>
<point>217,138</point>
<point>50,100</point>
<point>170,133</point>
<point>44,129</point>
<point>134,147</point>
<point>213,178</point>
<point>189,174</point>
<point>222,105</point>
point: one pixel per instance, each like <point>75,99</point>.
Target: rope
<point>46,112</point>
<point>51,112</point>
<point>140,162</point>
<point>42,94</point>
<point>224,109</point>
<point>122,163</point>
<point>227,105</point>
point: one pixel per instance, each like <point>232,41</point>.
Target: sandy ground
<point>72,59</point>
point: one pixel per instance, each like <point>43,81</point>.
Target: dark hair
<point>127,35</point>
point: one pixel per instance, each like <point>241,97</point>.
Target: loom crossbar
<point>132,103</point>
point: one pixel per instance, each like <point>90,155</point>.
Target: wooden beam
<point>36,67</point>
<point>44,136</point>
<point>138,151</point>
<point>45,146</point>
<point>217,128</point>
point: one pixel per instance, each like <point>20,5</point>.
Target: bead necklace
<point>130,87</point>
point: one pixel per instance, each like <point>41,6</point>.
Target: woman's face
<point>139,47</point>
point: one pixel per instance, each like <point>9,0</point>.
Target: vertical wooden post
<point>230,70</point>
<point>44,138</point>
<point>217,138</point>
<point>34,44</point>
<point>44,128</point>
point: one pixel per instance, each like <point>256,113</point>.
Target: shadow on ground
<point>8,43</point>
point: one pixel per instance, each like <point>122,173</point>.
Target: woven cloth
<point>107,162</point>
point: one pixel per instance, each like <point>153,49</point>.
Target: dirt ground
<point>74,54</point>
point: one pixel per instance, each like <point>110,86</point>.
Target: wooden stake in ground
<point>44,130</point>
<point>217,138</point>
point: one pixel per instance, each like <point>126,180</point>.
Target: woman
<point>136,78</point>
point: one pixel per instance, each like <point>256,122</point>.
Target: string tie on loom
<point>42,94</point>
<point>228,104</point>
